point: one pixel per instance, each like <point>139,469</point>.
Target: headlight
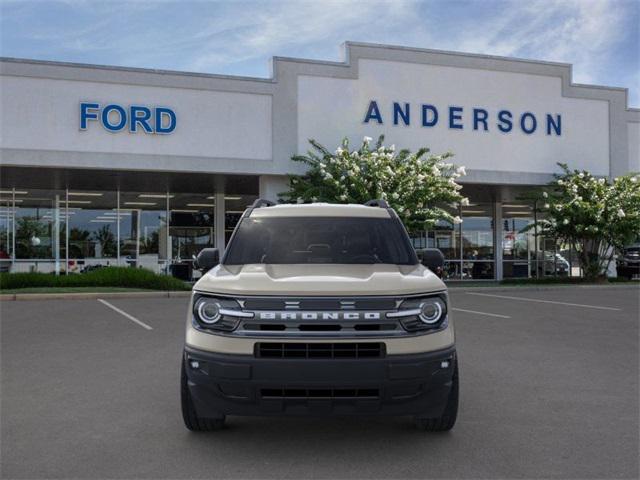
<point>216,313</point>
<point>422,313</point>
<point>431,310</point>
<point>208,310</point>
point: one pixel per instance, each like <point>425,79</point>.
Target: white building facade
<point>119,166</point>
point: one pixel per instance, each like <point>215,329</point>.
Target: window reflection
<point>192,224</point>
<point>235,205</point>
<point>38,223</point>
<point>91,230</point>
<point>518,240</point>
<point>6,230</point>
<point>143,229</point>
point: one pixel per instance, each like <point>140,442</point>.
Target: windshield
<point>294,240</point>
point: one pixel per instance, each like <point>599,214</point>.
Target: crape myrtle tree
<point>417,185</point>
<point>593,215</point>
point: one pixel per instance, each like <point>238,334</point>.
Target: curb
<point>505,288</point>
<point>91,295</point>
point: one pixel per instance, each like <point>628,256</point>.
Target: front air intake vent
<point>319,350</point>
<point>317,393</point>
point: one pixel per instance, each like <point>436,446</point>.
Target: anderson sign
<point>461,118</point>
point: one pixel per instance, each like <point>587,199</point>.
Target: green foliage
<point>417,185</point>
<point>595,216</point>
<point>102,277</point>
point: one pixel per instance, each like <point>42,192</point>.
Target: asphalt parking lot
<point>549,389</point>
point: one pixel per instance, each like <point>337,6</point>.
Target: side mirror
<point>433,259</point>
<point>207,259</point>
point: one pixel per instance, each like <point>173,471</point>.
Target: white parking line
<point>481,313</point>
<point>524,299</point>
<point>125,314</point>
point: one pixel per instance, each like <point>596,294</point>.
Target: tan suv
<point>319,309</point>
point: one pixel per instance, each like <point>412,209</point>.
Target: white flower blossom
<point>621,213</point>
<point>299,200</point>
<point>464,202</point>
<point>560,182</point>
<point>457,220</point>
<point>395,195</point>
<point>339,151</point>
<point>392,148</point>
<point>459,170</point>
<point>367,139</point>
<point>343,197</point>
<point>546,205</point>
<point>545,195</point>
<point>565,221</point>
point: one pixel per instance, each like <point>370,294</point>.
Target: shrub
<point>125,277</point>
<point>417,185</point>
<point>593,215</point>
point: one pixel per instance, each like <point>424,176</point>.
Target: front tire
<point>191,419</point>
<point>448,418</point>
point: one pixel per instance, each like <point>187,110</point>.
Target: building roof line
<point>345,63</point>
<point>134,69</point>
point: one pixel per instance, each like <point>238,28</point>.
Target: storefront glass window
<point>92,230</point>
<point>446,238</point>
<point>192,228</point>
<point>477,242</point>
<point>144,229</point>
<point>518,240</point>
<point>38,223</point>
<point>6,230</point>
<point>235,205</point>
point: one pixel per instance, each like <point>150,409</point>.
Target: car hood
<point>319,280</point>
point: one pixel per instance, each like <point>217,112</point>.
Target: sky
<point>601,38</point>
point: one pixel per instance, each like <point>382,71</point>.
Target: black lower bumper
<point>628,270</point>
<point>416,384</point>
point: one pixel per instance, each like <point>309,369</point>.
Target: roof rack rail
<point>261,202</point>
<point>377,203</point>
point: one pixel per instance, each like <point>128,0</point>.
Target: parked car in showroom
<point>628,262</point>
<point>320,309</point>
<point>5,261</point>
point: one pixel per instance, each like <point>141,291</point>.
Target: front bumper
<point>414,384</point>
<point>628,269</point>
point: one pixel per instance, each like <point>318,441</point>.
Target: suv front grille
<point>319,350</point>
<point>323,304</point>
<point>312,393</point>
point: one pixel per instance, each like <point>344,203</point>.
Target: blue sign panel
<point>134,118</point>
<point>460,118</point>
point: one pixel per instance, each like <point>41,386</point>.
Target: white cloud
<point>581,32</point>
<point>277,26</point>
<point>226,37</point>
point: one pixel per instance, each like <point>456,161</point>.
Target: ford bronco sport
<point>319,309</point>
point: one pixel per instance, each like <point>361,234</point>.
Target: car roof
<point>320,210</point>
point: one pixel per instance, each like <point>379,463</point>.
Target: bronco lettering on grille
<point>319,315</point>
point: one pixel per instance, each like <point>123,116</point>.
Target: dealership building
<point>105,165</point>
